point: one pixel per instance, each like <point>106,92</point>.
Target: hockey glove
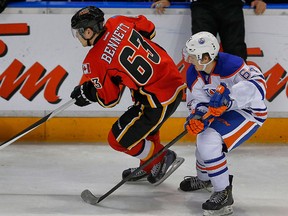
<point>84,94</point>
<point>220,101</point>
<point>195,123</point>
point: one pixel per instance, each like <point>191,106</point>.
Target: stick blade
<point>88,197</point>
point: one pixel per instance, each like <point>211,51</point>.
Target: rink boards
<point>31,44</point>
<point>87,129</point>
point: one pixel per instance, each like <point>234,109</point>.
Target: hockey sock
<point>156,148</point>
<point>218,172</point>
<point>143,150</point>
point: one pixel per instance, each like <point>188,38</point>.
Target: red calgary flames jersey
<point>124,55</point>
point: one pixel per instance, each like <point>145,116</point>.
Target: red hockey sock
<point>139,148</point>
<point>157,148</point>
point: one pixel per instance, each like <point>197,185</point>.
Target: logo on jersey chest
<point>210,91</point>
<point>86,68</point>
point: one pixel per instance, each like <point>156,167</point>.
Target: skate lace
<point>218,197</point>
<point>195,182</point>
<point>156,169</point>
<point>139,173</point>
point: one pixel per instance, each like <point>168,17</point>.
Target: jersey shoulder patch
<point>191,76</point>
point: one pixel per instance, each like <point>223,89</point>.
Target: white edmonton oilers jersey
<point>245,82</point>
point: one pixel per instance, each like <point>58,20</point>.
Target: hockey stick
<point>87,195</point>
<point>36,124</point>
<point>90,198</point>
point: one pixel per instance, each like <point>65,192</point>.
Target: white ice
<point>47,179</point>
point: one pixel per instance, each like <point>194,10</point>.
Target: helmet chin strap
<point>88,40</point>
<point>204,65</point>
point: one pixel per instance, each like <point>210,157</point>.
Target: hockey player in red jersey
<point>234,95</point>
<point>123,54</point>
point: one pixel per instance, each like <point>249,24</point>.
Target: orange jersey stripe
<point>231,139</point>
<point>261,114</point>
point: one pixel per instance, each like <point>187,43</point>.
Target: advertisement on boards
<point>41,62</point>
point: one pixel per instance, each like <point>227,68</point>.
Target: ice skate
<point>193,183</point>
<point>220,203</point>
<point>139,176</point>
<point>165,168</point>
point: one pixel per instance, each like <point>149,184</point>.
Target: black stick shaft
<point>36,124</point>
<point>142,166</point>
<point>172,142</point>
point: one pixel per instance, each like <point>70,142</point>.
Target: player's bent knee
<point>209,144</point>
<point>114,143</point>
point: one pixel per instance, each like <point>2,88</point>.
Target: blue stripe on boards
<point>104,4</point>
<point>111,4</point>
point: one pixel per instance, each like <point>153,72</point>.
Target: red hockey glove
<point>84,94</point>
<point>220,101</point>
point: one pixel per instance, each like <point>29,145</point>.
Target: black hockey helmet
<point>88,17</point>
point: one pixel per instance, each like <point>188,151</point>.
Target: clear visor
<point>75,33</point>
<point>188,57</point>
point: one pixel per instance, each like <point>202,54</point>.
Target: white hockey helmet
<point>202,42</point>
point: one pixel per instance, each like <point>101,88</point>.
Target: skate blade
<point>208,189</point>
<point>227,210</point>
<point>174,166</point>
<point>139,181</point>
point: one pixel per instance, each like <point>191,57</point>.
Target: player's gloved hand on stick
<point>220,101</point>
<point>195,123</point>
<point>84,94</point>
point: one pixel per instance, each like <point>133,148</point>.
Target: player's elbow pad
<point>149,35</point>
<point>244,92</point>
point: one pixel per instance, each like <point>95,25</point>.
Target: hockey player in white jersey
<point>233,93</point>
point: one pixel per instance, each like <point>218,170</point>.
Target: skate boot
<point>165,168</point>
<point>220,203</point>
<point>192,183</point>
<point>141,175</point>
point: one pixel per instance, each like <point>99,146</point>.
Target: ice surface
<point>47,179</point>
